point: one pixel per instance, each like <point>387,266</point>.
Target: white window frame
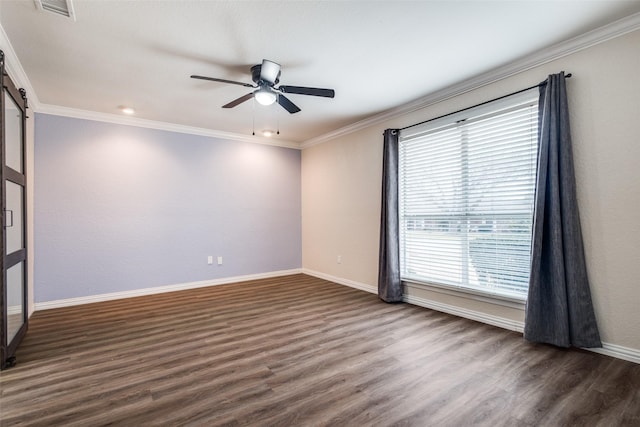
<point>500,296</point>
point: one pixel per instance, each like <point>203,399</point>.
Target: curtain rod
<point>482,103</point>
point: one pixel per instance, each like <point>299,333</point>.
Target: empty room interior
<point>305,213</point>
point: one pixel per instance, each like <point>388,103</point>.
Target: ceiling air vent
<point>60,7</point>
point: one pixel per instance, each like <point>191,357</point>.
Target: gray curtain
<point>559,309</point>
<point>389,285</point>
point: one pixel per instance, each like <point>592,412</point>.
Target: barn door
<point>13,298</point>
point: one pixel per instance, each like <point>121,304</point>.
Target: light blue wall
<point>120,208</point>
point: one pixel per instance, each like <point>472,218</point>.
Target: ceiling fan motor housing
<point>255,76</point>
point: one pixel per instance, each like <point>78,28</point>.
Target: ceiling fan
<point>266,76</point>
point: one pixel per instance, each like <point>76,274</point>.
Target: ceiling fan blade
<point>301,90</point>
<point>238,101</point>
<point>287,104</point>
<point>213,79</point>
<point>269,71</point>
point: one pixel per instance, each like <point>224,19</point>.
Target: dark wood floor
<point>299,351</point>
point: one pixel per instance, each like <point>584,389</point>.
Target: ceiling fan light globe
<point>265,97</point>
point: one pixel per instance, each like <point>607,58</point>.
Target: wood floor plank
<point>298,351</point>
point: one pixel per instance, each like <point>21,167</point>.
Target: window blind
<point>466,199</point>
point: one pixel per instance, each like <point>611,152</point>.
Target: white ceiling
<point>377,55</point>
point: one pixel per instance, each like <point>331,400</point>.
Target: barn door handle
<point>8,222</point>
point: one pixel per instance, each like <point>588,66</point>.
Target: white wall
<point>123,209</point>
<point>341,181</point>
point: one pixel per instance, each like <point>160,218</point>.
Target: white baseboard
<point>160,289</point>
<point>341,281</point>
<point>608,349</point>
<point>501,322</point>
<point>14,309</point>
<point>618,351</point>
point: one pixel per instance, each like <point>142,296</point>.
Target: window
<point>467,184</point>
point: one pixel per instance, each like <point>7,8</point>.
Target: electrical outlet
<point>339,260</point>
<point>219,260</point>
<point>210,259</point>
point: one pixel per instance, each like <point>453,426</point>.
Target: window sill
<point>503,300</point>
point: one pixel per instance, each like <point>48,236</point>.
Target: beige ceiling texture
<point>377,55</point>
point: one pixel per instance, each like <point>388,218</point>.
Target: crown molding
<point>15,70</point>
<point>18,75</point>
<point>152,124</point>
<point>599,35</point>
<point>607,32</point>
